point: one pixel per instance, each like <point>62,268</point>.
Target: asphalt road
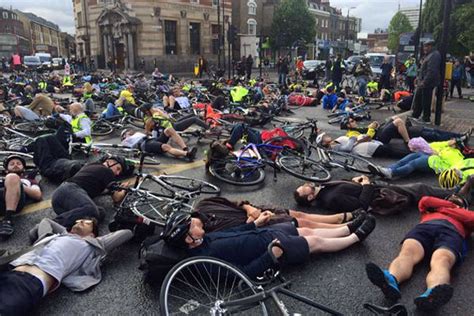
<point>338,280</point>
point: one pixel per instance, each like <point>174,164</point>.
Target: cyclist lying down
<point>246,246</point>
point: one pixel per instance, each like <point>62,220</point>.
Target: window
<point>215,38</point>
<point>194,1</point>
<point>170,38</point>
<point>214,3</point>
<point>252,7</point>
<point>195,38</point>
<point>5,14</point>
<point>79,19</point>
<point>252,27</point>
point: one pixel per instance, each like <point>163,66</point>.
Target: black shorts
<point>21,202</point>
<point>295,247</point>
<point>19,292</point>
<point>386,133</point>
<point>152,146</point>
<point>435,236</point>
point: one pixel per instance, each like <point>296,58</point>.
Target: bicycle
<point>210,286</point>
<point>359,112</point>
<point>11,139</point>
<point>106,126</point>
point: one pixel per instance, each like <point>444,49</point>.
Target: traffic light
<point>232,34</point>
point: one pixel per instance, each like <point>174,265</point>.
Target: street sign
<point>409,48</point>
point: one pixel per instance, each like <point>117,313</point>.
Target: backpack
<point>157,259</point>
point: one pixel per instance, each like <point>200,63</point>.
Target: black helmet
<point>176,229</point>
<point>11,157</point>
<point>120,160</point>
<point>345,121</point>
<point>145,107</point>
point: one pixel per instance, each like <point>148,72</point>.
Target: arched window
<point>252,27</point>
<point>252,7</point>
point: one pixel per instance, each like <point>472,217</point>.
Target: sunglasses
<point>85,221</point>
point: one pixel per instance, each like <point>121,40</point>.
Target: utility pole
<point>219,34</point>
<point>223,35</point>
<point>443,48</point>
<point>230,50</point>
<point>418,34</point>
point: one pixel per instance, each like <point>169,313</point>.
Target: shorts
<point>21,202</point>
<point>436,236</point>
<point>19,293</point>
<point>152,146</point>
<point>387,132</point>
<point>27,114</point>
<point>295,247</point>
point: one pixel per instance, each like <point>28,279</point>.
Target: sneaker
<point>435,297</point>
<point>6,229</point>
<point>365,228</point>
<point>380,171</point>
<point>358,212</point>
<point>383,280</point>
<point>356,222</point>
<point>191,155</point>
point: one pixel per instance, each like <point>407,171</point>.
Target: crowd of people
<point>68,249</point>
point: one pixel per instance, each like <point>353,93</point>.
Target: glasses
<point>85,221</point>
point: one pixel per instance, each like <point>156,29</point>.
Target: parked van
<point>45,59</point>
<point>32,62</point>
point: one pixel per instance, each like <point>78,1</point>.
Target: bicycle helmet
<point>145,107</point>
<point>5,120</point>
<point>450,178</point>
<point>121,161</point>
<point>319,139</point>
<point>176,228</point>
<point>344,122</point>
<point>123,133</point>
<point>11,157</point>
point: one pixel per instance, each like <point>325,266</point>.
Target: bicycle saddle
<point>395,310</point>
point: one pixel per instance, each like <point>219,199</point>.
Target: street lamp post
<point>418,34</point>
<point>347,29</point>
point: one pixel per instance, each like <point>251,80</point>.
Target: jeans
<point>28,114</point>
<point>436,135</point>
<point>411,163</point>
<point>422,103</point>
<point>89,105</point>
<point>253,136</point>
<point>362,86</point>
<point>110,111</point>
<point>282,78</point>
<point>456,83</point>
<point>71,202</point>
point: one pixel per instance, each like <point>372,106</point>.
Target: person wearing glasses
<point>71,258</point>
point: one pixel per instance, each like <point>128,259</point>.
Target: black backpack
<point>157,259</point>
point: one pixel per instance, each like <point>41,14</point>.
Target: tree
<point>292,22</point>
<point>398,25</point>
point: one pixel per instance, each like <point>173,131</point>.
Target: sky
<point>374,13</point>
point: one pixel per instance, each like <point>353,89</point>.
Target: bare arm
<point>33,192</point>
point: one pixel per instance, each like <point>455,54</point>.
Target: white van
<point>45,59</point>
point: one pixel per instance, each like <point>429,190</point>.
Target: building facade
<point>413,15</point>
<point>14,36</point>
<point>248,21</point>
<point>170,34</point>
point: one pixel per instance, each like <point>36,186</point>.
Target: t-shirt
<point>364,149</point>
<point>132,141</point>
<point>93,178</point>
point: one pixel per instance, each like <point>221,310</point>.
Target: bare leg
<point>325,232</point>
<point>12,191</point>
<point>165,101</point>
<point>172,102</point>
<point>170,132</point>
<point>304,223</point>
<point>412,253</point>
<point>441,263</point>
<point>17,112</point>
<point>173,151</point>
<point>319,245</point>
<point>329,219</point>
<point>402,129</point>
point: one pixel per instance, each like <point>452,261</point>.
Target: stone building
<point>14,36</point>
<point>168,33</point>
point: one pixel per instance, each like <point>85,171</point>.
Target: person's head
<point>146,108</point>
<point>14,164</point>
<point>330,89</point>
<point>130,88</point>
<point>306,193</point>
<point>386,59</point>
<point>126,133</point>
<point>183,231</point>
<point>457,62</point>
<point>116,164</point>
<point>365,60</point>
<point>323,140</point>
<point>86,227</point>
<point>176,92</point>
<point>348,122</point>
<point>450,178</point>
<point>458,200</point>
<point>87,87</point>
<point>76,108</point>
<point>428,46</point>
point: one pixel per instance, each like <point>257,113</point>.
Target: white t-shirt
<point>365,149</point>
<point>132,141</point>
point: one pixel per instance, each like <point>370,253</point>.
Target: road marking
<point>168,169</point>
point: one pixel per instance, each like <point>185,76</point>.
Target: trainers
<point>356,222</point>
<point>6,229</point>
<point>383,280</point>
<point>365,228</point>
<point>380,171</point>
<point>191,155</point>
<point>435,297</point>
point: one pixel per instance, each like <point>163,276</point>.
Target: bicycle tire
<point>33,128</point>
<point>336,119</point>
<point>156,209</point>
<point>201,280</point>
<point>179,182</point>
<point>135,121</point>
<point>125,152</point>
<point>304,168</point>
<point>101,128</point>
<point>233,172</point>
<point>350,161</point>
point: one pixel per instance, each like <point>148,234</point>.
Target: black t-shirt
<point>93,178</point>
<point>344,196</point>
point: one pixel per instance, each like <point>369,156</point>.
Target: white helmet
<point>319,138</point>
<point>5,120</point>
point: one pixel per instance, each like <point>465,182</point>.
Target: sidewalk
<point>458,115</point>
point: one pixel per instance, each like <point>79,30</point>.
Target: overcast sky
<point>374,13</point>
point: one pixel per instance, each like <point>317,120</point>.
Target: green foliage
<point>461,30</point>
<point>292,21</point>
<point>398,25</point>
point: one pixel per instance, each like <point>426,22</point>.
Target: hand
<point>362,180</point>
<point>252,211</point>
<point>277,251</point>
<point>374,125</point>
<point>263,218</point>
<point>364,138</point>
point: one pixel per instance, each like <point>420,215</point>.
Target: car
<point>32,62</point>
<point>352,61</point>
<point>313,69</point>
<point>45,60</point>
<point>375,62</point>
<point>57,63</point>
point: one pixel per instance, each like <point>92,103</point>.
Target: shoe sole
<point>377,277</point>
<point>438,297</point>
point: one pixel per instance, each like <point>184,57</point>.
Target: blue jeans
<point>238,131</point>
<point>362,86</point>
<point>110,111</point>
<point>282,78</point>
<point>436,135</point>
<point>411,163</point>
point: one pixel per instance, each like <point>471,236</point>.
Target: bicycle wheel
<point>135,121</point>
<point>197,285</point>
<point>125,152</point>
<point>33,128</point>
<point>336,119</point>
<point>349,161</point>
<point>190,184</point>
<point>156,209</point>
<point>237,172</point>
<point>101,128</point>
<point>304,168</point>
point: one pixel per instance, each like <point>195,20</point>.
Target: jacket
<point>432,208</point>
<point>447,157</point>
<point>430,76</point>
<point>89,274</point>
